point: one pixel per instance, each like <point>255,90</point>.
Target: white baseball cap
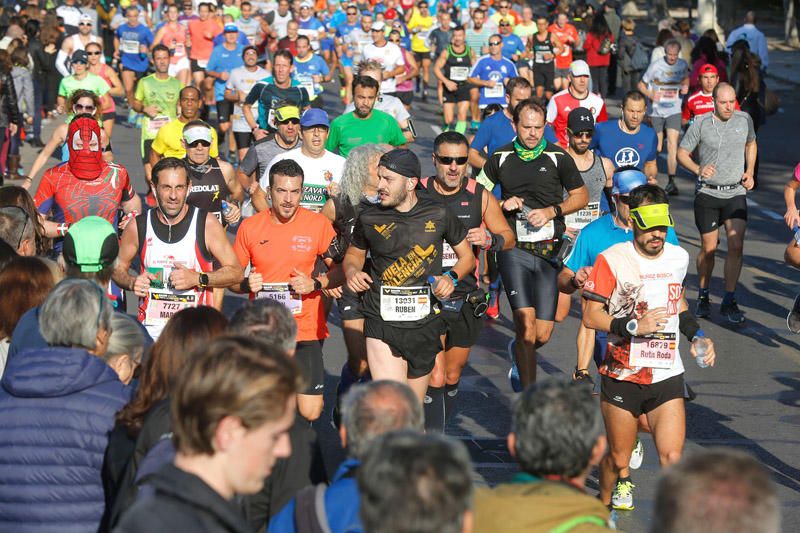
<point>579,68</point>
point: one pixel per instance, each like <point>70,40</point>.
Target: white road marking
<point>436,129</point>
<point>769,213</point>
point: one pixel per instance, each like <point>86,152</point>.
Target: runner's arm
<point>439,65</point>
<point>57,139</point>
<point>476,159</point>
<point>687,161</point>
<point>229,173</point>
<point>750,154</point>
<point>650,170</point>
<point>577,199</point>
<point>792,216</point>
<point>116,84</point>
<point>466,259</point>
<point>329,209</point>
<point>608,168</point>
<point>134,204</point>
<point>497,224</point>
<point>128,248</point>
<point>230,271</point>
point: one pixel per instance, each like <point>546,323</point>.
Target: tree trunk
<point>790,24</point>
<point>707,18</point>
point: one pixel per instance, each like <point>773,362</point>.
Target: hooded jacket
<point>57,406</point>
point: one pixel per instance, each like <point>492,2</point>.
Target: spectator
<point>658,52</point>
<point>683,34</point>
<point>57,406</point>
<point>23,84</point>
<point>145,419</point>
<point>416,483</point>
<point>232,407</point>
<point>36,50</point>
<point>19,196</point>
<point>631,71</point>
<point>754,37</point>
<point>17,230</point>
<point>125,346</point>
<point>51,78</point>
<point>609,12</point>
<point>368,411</point>
<point>557,437</point>
<point>10,118</point>
<point>717,490</point>
<point>705,53</point>
<point>24,284</point>
<point>599,48</point>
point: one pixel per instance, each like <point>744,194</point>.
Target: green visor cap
<point>652,216</point>
<point>91,244</point>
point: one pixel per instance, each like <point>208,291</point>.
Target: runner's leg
<point>735,229</point>
<point>672,151</point>
<point>705,258</point>
<point>668,424</point>
<point>621,433</point>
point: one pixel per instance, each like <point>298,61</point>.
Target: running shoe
<point>513,372</point>
<point>493,311</point>
<point>637,455</point>
<point>793,318</point>
<point>671,189</point>
<point>702,308</point>
<point>622,499</point>
<point>732,312</point>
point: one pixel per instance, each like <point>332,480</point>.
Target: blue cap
<point>315,117</point>
<point>231,28</point>
<point>627,180</point>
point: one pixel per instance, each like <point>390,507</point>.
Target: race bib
<point>202,63</point>
<point>314,197</point>
<point>162,305</point>
<point>526,232</point>
<point>498,91</point>
<point>128,46</point>
<point>581,218</point>
<point>449,257</point>
<point>280,292</point>
<point>405,304</point>
<point>654,351</point>
<point>668,96</point>
<point>156,123</point>
<point>179,50</point>
<point>308,84</point>
<point>459,73</point>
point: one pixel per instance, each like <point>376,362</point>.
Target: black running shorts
<point>309,356</point>
<point>418,346</point>
<point>710,213</point>
<point>463,327</point>
<point>638,399</point>
<point>530,281</point>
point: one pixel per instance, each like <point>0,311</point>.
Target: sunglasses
<point>294,121</point>
<point>84,108</point>
<point>93,53</point>
<point>504,24</point>
<point>200,142</point>
<point>496,43</point>
<point>84,24</point>
<point>446,160</point>
<point>352,13</point>
<point>583,134</point>
<point>79,62</point>
<point>395,41</point>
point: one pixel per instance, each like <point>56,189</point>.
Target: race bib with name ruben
<point>527,232</point>
<point>405,304</point>
<point>280,292</point>
<point>657,350</point>
<point>581,218</point>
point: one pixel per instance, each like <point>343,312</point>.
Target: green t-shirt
<point>348,131</point>
<point>92,82</point>
<point>233,11</point>
<point>163,93</point>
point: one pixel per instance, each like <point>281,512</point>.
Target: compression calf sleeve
<point>450,393</point>
<point>461,126</point>
<point>435,409</point>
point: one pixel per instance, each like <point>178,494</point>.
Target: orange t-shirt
<point>275,250</point>
<point>202,44</point>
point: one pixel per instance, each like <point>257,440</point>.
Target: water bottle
<point>226,209</point>
<point>700,344</point>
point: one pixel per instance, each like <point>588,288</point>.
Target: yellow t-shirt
<point>419,39</point>
<point>168,140</point>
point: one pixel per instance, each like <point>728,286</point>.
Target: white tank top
<point>159,258</point>
<point>77,44</point>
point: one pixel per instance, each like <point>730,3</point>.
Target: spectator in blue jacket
<point>368,411</point>
<point>57,406</point>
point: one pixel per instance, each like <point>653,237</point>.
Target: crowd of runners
<point>181,416</point>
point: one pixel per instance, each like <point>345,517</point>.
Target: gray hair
<point>356,170</point>
<point>127,338</point>
<point>15,226</point>
<point>369,65</point>
<point>672,43</point>
<point>267,319</point>
<point>375,408</point>
<point>415,482</point>
<point>556,424</point>
<point>718,489</point>
<point>74,312</point>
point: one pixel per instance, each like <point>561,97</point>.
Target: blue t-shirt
<point>599,236</point>
<point>220,38</point>
<point>130,41</point>
<point>512,44</point>
<point>332,22</point>
<point>499,70</point>
<point>343,30</point>
<point>224,60</point>
<point>625,149</point>
<point>304,70</point>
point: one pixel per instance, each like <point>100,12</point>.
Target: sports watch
<point>202,281</point>
<point>453,276</point>
<point>317,285</point>
<point>632,326</point>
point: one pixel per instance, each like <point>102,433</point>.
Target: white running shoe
<point>622,499</point>
<point>637,455</point>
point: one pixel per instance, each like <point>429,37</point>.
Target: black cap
<point>80,56</point>
<point>403,161</point>
<point>580,119</point>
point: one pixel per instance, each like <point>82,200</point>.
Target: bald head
<point>724,100</point>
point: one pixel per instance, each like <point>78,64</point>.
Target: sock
<point>624,479</point>
<point>461,126</point>
<point>728,298</point>
<point>450,393</point>
<point>434,409</point>
<point>475,124</point>
<point>671,177</point>
<point>703,293</point>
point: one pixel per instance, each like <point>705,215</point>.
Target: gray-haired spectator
<point>368,411</point>
<point>125,346</point>
<point>411,482</point>
<point>18,230</point>
<point>556,436</point>
<point>57,406</point>
<point>717,490</point>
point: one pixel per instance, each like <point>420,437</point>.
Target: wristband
<point>557,209</point>
<point>575,283</point>
<point>62,229</point>
<point>688,325</point>
<point>618,327</point>
<point>498,241</point>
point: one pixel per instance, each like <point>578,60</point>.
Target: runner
<point>270,91</point>
<point>567,35</point>
<point>321,168</point>
<point>386,54</point>
<point>97,66</point>
<point>156,98</point>
<point>355,39</point>
<point>311,71</point>
<point>663,83</point>
<point>487,229</point>
<point>81,79</point>
<point>702,101</point>
<point>726,144</point>
<point>420,22</point>
<point>635,292</point>
<point>490,74</point>
<point>364,124</point>
<point>546,47</point>
<point>452,68</point>
<point>132,43</point>
<point>224,58</point>
<point>201,35</point>
<point>175,37</point>
<point>345,49</point>
<point>249,24</point>
<point>576,94</point>
<point>77,41</point>
<point>238,86</point>
<point>278,20</point>
<point>282,246</point>
<point>536,209</point>
<point>513,47</point>
<point>404,236</point>
<point>792,254</point>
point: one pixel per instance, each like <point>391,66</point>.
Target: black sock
<point>671,178</point>
<point>450,393</point>
<point>624,479</point>
<point>434,409</point>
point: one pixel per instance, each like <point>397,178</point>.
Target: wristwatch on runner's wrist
<point>202,281</point>
<point>317,285</point>
<point>632,326</point>
<point>453,276</point>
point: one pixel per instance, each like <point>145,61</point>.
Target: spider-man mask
<point>85,155</point>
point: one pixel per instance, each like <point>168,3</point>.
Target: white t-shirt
<point>665,79</point>
<point>318,174</point>
<point>388,104</point>
<point>390,57</point>
<point>243,80</point>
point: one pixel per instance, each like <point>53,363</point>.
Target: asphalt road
<point>749,400</point>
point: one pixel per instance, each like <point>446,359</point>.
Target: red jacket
<point>592,47</point>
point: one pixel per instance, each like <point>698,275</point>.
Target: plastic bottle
<point>226,209</point>
<point>700,344</point>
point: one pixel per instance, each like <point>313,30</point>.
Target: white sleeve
<point>552,111</point>
<point>61,63</point>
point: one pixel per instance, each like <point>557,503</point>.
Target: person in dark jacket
<point>231,411</point>
<point>57,405</point>
<point>10,116</point>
